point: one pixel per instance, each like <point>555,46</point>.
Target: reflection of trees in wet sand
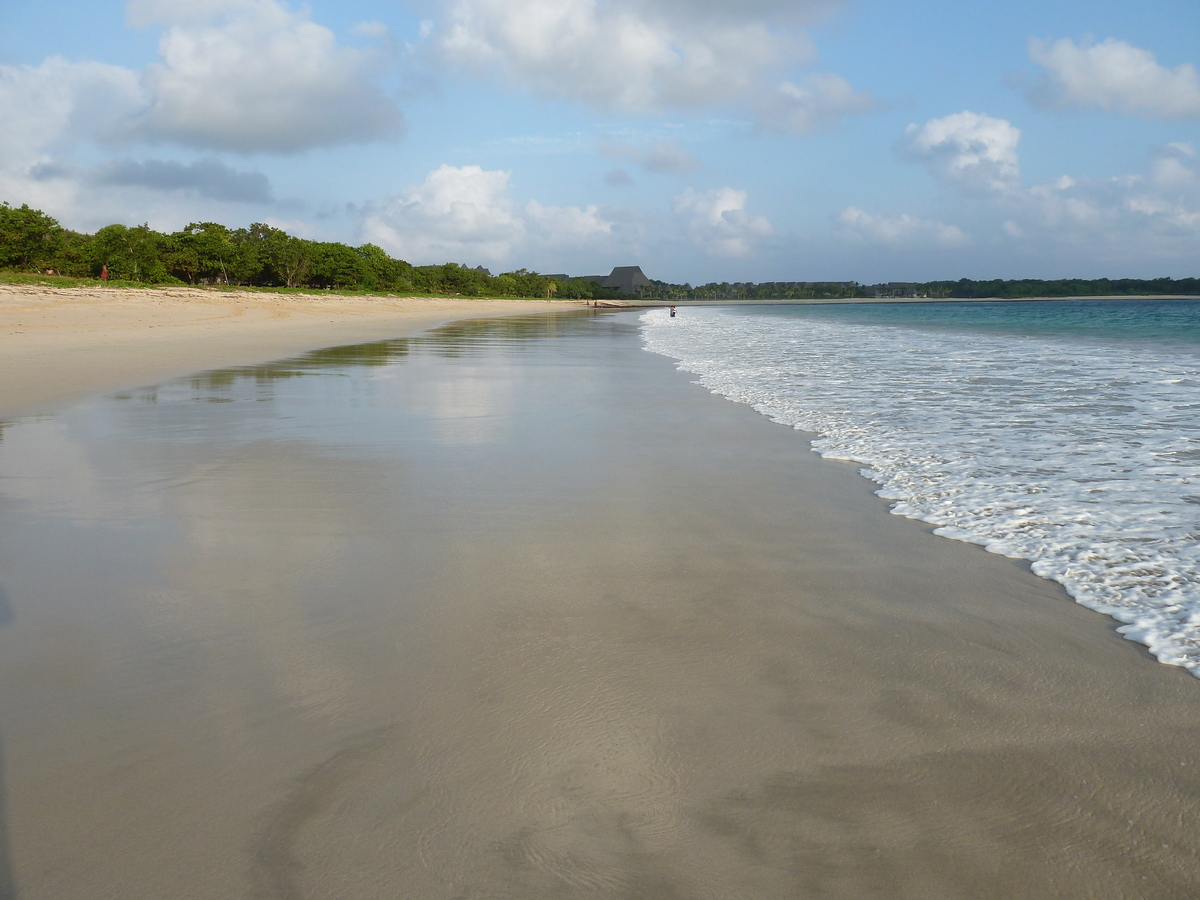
<point>460,339</point>
<point>8,888</point>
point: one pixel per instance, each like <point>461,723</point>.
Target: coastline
<point>654,303</point>
<point>60,344</point>
<point>597,632</point>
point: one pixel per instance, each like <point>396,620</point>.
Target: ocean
<point>1065,433</point>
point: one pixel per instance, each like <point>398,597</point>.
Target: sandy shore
<point>540,619</point>
<point>61,343</point>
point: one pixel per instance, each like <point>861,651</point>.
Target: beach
<point>59,343</point>
<point>515,609</point>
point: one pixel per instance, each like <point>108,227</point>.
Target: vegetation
<point>1064,287</point>
<point>770,290</point>
<point>963,289</point>
<point>261,256</point>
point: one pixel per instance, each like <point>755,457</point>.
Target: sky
<point>705,140</point>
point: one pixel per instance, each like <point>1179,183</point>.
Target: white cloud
<point>898,230</point>
<point>1151,215</point>
<point>59,102</point>
<point>567,224</point>
<point>257,77</point>
<point>974,151</point>
<point>1154,214</point>
<point>1113,76</point>
<point>46,111</point>
<point>263,78</point>
<point>717,221</point>
<point>632,55</point>
<point>465,214</point>
<point>456,213</point>
<point>1160,205</point>
<point>818,102</point>
<point>660,157</point>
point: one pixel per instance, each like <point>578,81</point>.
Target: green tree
<point>130,253</point>
<point>75,255</point>
<point>29,239</point>
<point>382,273</point>
<point>336,266</point>
<point>270,256</point>
<point>214,250</point>
<point>180,257</point>
<point>292,257</point>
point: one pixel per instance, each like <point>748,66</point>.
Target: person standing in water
<point>672,312</point>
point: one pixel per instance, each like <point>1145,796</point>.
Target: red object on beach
<point>104,273</point>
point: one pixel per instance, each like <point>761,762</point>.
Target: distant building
<point>563,278</point>
<point>627,280</point>
<point>624,279</point>
<point>484,271</point>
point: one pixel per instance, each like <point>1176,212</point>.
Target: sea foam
<point>1079,455</point>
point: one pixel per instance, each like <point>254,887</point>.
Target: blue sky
<point>706,140</point>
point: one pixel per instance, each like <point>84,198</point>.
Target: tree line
<point>258,256</point>
<point>265,256</point>
<point>1017,289</point>
<point>964,288</point>
<point>748,290</point>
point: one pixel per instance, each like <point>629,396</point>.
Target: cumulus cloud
<point>49,109</point>
<point>1153,214</point>
<point>898,230</point>
<point>207,178</point>
<point>260,78</point>
<point>468,213</point>
<point>1164,198</point>
<point>567,225</point>
<point>820,101</point>
<point>660,157</point>
<point>976,152</point>
<point>455,213</point>
<point>59,102</point>
<point>1113,76</point>
<point>632,55</point>
<point>717,221</point>
<point>241,75</point>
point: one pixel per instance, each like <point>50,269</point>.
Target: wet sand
<point>566,626</point>
<point>60,343</point>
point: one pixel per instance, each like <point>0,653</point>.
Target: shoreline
<point>61,344</point>
<point>579,628</point>
<point>875,301</point>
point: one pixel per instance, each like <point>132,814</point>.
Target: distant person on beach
<point>672,312</point>
<point>104,273</point>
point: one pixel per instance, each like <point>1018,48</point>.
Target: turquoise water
<point>1066,433</point>
<point>1168,321</point>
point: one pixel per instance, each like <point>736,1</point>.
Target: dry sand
<point>61,343</point>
